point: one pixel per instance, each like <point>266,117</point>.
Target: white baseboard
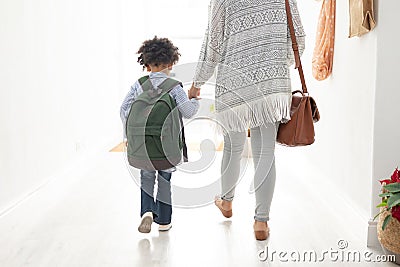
<point>372,238</point>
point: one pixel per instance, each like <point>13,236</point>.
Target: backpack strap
<point>184,146</point>
<point>145,83</point>
<point>167,86</point>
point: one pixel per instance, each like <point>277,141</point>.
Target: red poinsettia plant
<point>390,197</point>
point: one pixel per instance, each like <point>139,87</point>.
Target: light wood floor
<point>89,217</point>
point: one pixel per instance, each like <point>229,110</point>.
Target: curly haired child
<point>157,56</point>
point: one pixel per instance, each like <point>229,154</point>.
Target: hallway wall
<point>387,112</point>
<point>58,58</point>
<point>344,136</point>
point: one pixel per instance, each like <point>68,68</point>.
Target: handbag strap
<point>295,47</point>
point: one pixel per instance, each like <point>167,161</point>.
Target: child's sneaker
<point>164,228</point>
<point>145,224</point>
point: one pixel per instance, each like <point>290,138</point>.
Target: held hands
<point>194,92</point>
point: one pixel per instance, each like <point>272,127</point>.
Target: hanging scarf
<point>322,62</point>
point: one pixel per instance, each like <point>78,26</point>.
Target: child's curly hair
<point>157,51</point>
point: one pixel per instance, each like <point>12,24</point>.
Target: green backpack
<point>154,128</point>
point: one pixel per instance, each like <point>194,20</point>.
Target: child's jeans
<point>161,207</point>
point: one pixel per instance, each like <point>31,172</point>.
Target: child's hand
<point>194,92</point>
<point>191,97</point>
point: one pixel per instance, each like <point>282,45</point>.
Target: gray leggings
<point>263,148</point>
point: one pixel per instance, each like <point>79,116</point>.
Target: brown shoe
<point>218,202</point>
<point>261,230</point>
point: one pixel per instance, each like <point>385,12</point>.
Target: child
<point>157,55</point>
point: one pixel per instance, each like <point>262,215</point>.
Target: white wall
<point>357,137</point>
<point>63,72</point>
<point>386,148</point>
<point>343,149</point>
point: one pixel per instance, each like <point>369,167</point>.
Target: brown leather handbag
<point>299,131</point>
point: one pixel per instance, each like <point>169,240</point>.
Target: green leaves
<point>383,204</point>
<point>386,221</point>
<point>390,196</point>
<point>393,200</point>
<point>392,188</point>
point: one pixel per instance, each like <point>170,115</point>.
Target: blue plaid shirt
<point>188,108</point>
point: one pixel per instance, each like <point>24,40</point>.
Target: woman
<point>248,43</point>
